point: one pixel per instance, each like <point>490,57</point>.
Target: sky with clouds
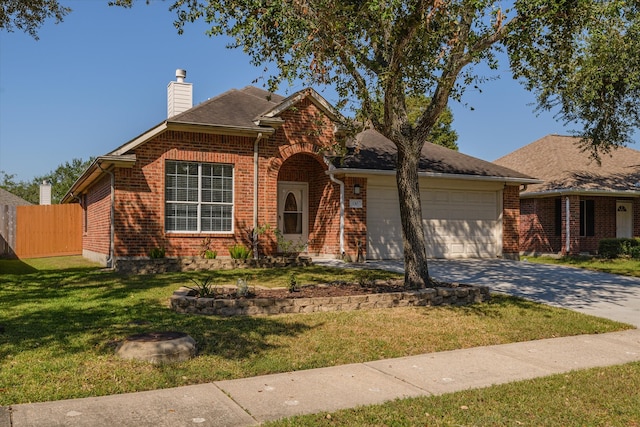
<point>98,79</point>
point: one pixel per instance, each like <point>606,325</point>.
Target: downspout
<point>341,184</point>
<point>568,225</point>
<point>112,231</point>
<point>254,234</point>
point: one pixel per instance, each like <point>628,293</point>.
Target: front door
<point>624,219</point>
<point>293,220</point>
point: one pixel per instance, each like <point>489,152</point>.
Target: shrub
<point>209,254</point>
<point>156,253</point>
<point>204,288</point>
<point>238,251</point>
<point>293,283</point>
<point>616,248</point>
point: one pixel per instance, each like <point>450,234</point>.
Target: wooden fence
<point>41,231</point>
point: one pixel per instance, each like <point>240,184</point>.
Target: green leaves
<point>581,60</point>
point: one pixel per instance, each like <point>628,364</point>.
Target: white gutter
<point>341,184</point>
<point>572,191</point>
<point>364,172</point>
<point>568,223</point>
<point>255,195</point>
<point>112,234</point>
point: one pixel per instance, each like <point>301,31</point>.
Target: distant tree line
<point>61,179</point>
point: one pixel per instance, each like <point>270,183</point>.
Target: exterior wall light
<point>356,189</point>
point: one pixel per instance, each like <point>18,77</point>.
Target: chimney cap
<point>181,74</point>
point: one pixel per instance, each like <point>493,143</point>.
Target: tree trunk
<point>416,271</point>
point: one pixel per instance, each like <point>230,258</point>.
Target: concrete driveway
<point>599,294</point>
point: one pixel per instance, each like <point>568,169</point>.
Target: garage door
<point>457,223</point>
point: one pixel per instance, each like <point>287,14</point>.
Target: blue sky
<point>99,79</point>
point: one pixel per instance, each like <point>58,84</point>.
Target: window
<point>199,197</point>
<point>587,221</point>
<point>558,216</point>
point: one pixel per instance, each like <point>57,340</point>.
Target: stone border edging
<point>181,302</point>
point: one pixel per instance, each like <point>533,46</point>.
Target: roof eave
<point>380,172</point>
<point>580,192</point>
<point>94,171</point>
<point>191,127</point>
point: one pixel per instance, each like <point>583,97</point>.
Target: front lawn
<point>595,397</point>
<point>62,319</point>
<point>622,266</point>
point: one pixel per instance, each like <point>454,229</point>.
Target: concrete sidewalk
<point>250,401</point>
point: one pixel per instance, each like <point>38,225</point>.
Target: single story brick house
<point>580,201</point>
<point>208,175</point>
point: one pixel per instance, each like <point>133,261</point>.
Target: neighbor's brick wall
<point>636,217</point>
<point>511,221</point>
<point>538,227</point>
<point>98,216</point>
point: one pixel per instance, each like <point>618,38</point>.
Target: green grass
<point>595,397</point>
<point>625,267</point>
<point>63,318</point>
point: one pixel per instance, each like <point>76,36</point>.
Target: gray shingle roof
<point>7,198</point>
<point>376,152</point>
<point>234,108</point>
<point>559,161</point>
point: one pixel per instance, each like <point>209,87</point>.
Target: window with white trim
<point>198,197</point>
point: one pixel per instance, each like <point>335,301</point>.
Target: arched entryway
<point>306,203</point>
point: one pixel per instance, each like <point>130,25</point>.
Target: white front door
<point>624,219</point>
<point>293,212</point>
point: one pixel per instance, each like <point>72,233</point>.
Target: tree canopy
<point>30,15</point>
<point>579,57</point>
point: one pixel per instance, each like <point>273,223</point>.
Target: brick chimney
<point>179,95</point>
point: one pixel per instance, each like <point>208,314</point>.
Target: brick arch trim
<point>291,150</point>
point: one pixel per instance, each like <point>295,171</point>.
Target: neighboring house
<point>10,199</point>
<point>210,174</point>
<point>580,200</point>
<point>8,220</point>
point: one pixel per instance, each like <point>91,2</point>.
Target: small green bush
<point>617,248</point>
<point>239,251</point>
<point>209,254</point>
<point>203,288</point>
<point>156,253</point>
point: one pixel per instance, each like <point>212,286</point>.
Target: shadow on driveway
<point>600,294</point>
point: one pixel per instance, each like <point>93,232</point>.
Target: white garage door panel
<point>457,223</point>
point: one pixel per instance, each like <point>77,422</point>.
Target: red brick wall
<point>139,198</point>
<point>97,226</point>
<point>636,217</point>
<point>538,227</point>
<point>510,221</point>
<point>355,219</point>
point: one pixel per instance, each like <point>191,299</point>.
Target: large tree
<point>30,15</point>
<point>580,57</point>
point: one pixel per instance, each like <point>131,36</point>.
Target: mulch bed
<point>335,289</point>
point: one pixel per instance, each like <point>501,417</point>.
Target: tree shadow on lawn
<point>100,326</point>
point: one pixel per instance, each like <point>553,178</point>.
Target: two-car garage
<point>462,219</point>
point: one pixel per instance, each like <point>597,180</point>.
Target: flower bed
<point>184,301</point>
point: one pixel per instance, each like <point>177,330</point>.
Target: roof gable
<point>560,163</point>
<point>376,152</point>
